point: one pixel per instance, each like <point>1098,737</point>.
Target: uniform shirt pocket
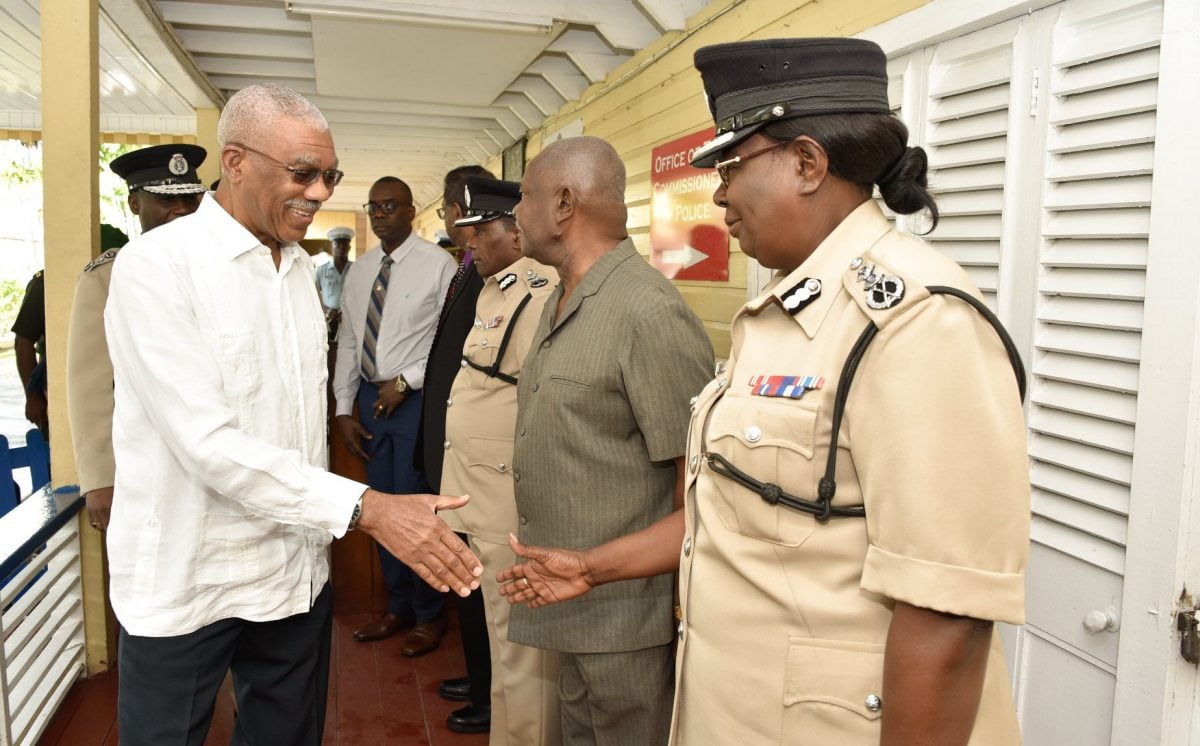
<point>770,440</point>
<point>490,453</point>
<point>833,690</point>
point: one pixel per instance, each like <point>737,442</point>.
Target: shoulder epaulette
<point>101,260</point>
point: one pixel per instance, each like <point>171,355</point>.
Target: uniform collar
<point>518,269</point>
<point>860,230</point>
<point>232,238</point>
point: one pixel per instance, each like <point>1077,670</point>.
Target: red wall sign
<point>688,236</point>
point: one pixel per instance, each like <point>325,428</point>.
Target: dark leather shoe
<point>425,637</point>
<point>382,628</point>
<point>455,690</point>
<point>470,719</point>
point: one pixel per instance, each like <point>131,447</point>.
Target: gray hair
<point>255,108</point>
<point>587,164</point>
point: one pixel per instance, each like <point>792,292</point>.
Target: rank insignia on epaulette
<point>507,281</point>
<point>104,258</point>
<point>493,322</point>
<point>785,387</point>
<point>805,292</point>
<point>534,279</point>
<point>884,292</point>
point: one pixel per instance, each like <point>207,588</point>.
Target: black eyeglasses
<point>305,175</point>
<point>384,208</point>
<point>724,168</point>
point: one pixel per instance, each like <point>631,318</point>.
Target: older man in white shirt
<point>223,510</point>
<point>390,304</point>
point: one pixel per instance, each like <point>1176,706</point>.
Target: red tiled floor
<point>376,696</point>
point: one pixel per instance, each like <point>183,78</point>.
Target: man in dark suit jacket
<point>445,358</point>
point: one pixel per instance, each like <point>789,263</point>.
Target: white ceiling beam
<point>541,93</point>
<point>670,15</point>
<point>589,52</point>
<point>237,83</point>
<point>138,22</point>
<point>246,44</point>
<point>236,16</point>
<point>522,107</point>
<point>561,74</point>
<point>434,123</point>
<point>257,67</point>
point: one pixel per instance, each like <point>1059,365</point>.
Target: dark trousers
<point>168,685</point>
<point>391,470</point>
<point>477,653</point>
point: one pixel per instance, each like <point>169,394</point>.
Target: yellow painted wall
<point>657,96</point>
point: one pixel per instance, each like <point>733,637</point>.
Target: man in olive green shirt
<point>603,407</point>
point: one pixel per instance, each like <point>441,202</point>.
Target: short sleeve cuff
<point>336,501</point>
<point>952,589</point>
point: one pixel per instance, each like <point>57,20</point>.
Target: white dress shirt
<point>417,286</point>
<point>223,506</point>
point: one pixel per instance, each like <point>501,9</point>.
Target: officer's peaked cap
<point>162,169</point>
<point>752,83</point>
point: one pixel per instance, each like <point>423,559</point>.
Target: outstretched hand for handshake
<point>549,576</point>
<point>409,528</point>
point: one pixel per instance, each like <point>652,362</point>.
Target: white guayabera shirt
<point>223,506</point>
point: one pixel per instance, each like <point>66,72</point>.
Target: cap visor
<point>707,155</point>
<point>175,189</point>
<point>477,219</point>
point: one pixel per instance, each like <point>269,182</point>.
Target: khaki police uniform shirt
<point>481,412</point>
<point>785,619</point>
<point>90,377</point>
<point>603,414</point>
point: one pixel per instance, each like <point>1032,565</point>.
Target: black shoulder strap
<point>827,487</point>
<point>493,370</point>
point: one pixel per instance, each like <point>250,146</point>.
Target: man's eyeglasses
<point>305,175</point>
<point>384,208</point>
<point>726,167</point>
<point>441,211</point>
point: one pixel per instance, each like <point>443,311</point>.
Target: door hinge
<point>1033,92</point>
<point>1187,621</point>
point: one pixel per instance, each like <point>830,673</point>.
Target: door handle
<point>1097,621</point>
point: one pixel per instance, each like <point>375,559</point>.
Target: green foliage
<point>11,293</point>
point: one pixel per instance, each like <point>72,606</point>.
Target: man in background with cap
<point>480,419</point>
<point>163,185</point>
<point>600,436</point>
<point>445,358</point>
<point>390,304</point>
<point>331,275</point>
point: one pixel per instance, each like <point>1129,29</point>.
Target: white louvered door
<point>1102,80</point>
<point>1040,133</point>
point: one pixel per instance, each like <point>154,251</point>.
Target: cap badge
<point>467,195</point>
<point>507,281</point>
<point>178,165</point>
<point>805,292</point>
<point>784,387</point>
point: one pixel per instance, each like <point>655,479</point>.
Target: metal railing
<point>42,621</point>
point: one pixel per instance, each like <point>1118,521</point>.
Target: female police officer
<point>857,509</point>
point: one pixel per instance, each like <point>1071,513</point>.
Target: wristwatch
<point>355,516</point>
<point>402,386</point>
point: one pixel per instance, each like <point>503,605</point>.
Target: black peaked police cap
<point>752,83</point>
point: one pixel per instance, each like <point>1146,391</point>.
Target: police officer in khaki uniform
<point>857,493</point>
<point>163,185</point>
<point>481,416</point>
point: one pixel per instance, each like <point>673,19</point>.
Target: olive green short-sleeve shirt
<point>603,407</point>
